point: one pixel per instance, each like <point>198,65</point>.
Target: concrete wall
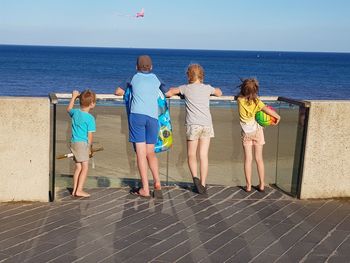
<point>24,148</point>
<point>326,172</point>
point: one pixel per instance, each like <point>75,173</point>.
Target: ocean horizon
<point>27,70</point>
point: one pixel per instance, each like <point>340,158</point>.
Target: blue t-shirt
<point>145,88</point>
<point>82,123</point>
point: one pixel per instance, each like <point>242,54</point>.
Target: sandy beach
<point>116,165</point>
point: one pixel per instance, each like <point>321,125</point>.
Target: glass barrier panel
<point>226,151</point>
<point>289,143</point>
<point>116,164</point>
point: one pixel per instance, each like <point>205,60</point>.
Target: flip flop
<point>245,189</point>
<point>197,183</point>
<point>136,192</point>
<point>259,190</point>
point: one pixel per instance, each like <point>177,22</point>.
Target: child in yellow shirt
<point>252,133</point>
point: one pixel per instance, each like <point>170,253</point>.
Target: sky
<point>271,25</point>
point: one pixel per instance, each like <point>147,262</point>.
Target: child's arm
<point>217,92</point>
<point>172,92</point>
<point>75,95</point>
<point>90,139</point>
<point>119,91</point>
<point>273,114</point>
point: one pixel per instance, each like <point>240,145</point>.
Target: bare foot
<point>81,194</point>
<point>157,186</point>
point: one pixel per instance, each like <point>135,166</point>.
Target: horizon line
<point>159,48</point>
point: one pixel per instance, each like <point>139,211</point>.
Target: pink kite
<point>141,13</point>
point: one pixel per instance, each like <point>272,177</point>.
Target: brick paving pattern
<point>227,225</point>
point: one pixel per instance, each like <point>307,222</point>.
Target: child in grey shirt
<point>199,126</point>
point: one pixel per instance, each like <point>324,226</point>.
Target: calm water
<point>37,71</point>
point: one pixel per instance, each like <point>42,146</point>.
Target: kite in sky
<point>140,14</point>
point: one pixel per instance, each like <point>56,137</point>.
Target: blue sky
<point>283,25</point>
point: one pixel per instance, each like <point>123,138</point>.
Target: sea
<point>40,70</point>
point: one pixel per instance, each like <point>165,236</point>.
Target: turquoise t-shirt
<point>82,123</point>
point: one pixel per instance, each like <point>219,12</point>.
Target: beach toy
<point>264,119</point>
<point>70,155</point>
<point>165,133</point>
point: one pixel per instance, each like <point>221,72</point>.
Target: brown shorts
<point>81,151</point>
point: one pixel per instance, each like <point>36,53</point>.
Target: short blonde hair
<point>195,72</point>
<point>87,97</point>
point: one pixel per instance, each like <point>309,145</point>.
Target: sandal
<point>259,189</point>
<point>245,189</point>
<point>136,192</point>
<point>197,183</point>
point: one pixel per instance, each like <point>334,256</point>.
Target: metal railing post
<point>54,101</point>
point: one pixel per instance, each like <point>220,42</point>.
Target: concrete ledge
<point>24,148</point>
<point>326,172</point>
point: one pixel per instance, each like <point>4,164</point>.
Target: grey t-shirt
<point>197,103</point>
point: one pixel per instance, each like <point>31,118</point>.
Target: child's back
<point>197,103</point>
<point>252,133</point>
<point>199,126</point>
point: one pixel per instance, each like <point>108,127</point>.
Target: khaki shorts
<point>256,138</point>
<point>81,151</point>
<point>196,132</point>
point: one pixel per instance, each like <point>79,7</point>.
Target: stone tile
<point>176,252</point>
<point>228,250</point>
<point>344,248</point>
<point>245,254</point>
<point>280,246</point>
<point>315,259</point>
<point>3,256</point>
<point>345,226</point>
<point>226,225</point>
<point>263,258</point>
<point>338,259</point>
<point>296,253</point>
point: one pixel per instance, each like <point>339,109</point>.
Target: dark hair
<point>249,89</point>
<point>87,97</point>
<point>195,72</point>
<point>144,63</point>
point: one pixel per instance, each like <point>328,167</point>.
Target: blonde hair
<point>249,89</point>
<point>195,72</point>
<point>87,97</point>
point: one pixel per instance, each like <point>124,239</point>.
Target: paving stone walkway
<point>227,225</point>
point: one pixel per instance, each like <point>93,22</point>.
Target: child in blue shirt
<point>83,125</point>
<point>143,121</point>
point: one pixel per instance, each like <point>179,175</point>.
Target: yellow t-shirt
<point>247,111</point>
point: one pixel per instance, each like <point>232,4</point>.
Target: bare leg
<point>82,179</point>
<point>141,156</point>
<point>76,177</point>
<point>260,165</point>
<point>204,144</point>
<point>192,156</point>
<point>153,164</point>
<point>248,159</point>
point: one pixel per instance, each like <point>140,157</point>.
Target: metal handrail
<point>114,97</point>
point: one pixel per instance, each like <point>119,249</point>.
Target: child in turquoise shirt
<point>83,125</point>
